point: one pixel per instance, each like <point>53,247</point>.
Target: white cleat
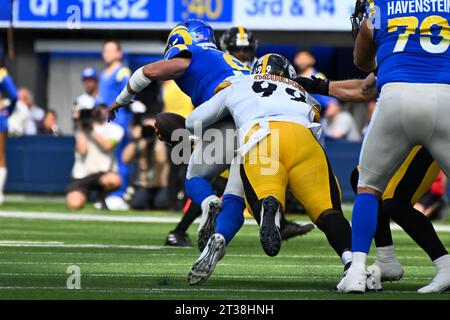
<point>115,203</point>
<point>211,207</point>
<point>390,271</point>
<point>204,266</point>
<point>441,281</point>
<point>373,282</point>
<point>354,281</point>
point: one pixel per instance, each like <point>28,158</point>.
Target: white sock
<point>359,259</point>
<point>385,254</point>
<point>346,257</point>
<point>442,263</point>
<point>3,173</point>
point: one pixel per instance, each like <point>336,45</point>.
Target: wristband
<point>124,97</point>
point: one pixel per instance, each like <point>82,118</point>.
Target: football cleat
<point>373,282</point>
<point>178,239</point>
<point>269,232</point>
<point>116,203</point>
<point>390,271</point>
<point>204,266</point>
<point>211,207</point>
<point>441,282</point>
<point>354,281</point>
<point>292,229</point>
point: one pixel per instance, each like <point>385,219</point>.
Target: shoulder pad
<point>320,75</point>
<point>124,72</point>
<point>177,50</point>
<point>3,74</point>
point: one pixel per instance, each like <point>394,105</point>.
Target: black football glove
<point>358,16</point>
<point>314,85</point>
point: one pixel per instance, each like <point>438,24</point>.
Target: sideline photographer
<point>95,168</point>
<point>149,189</point>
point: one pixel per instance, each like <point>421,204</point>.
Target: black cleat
<point>269,233</point>
<point>178,239</point>
<point>292,229</point>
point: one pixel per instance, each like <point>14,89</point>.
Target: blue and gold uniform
<point>207,70</point>
<point>7,85</point>
<point>408,34</point>
<point>110,86</point>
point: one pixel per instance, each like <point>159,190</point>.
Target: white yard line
<point>190,290</point>
<point>169,276</point>
<point>225,264</point>
<point>133,219</point>
<point>31,244</point>
<point>52,244</point>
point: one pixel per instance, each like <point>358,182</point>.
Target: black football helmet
<point>274,64</point>
<point>240,43</point>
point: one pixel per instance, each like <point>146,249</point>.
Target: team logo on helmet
<point>274,64</point>
<point>191,32</point>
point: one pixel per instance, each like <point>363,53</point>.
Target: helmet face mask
<point>239,42</point>
<point>191,32</point>
<point>274,64</point>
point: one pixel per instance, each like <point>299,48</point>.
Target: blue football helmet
<point>192,32</point>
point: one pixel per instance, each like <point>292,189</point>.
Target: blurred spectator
<point>112,80</point>
<point>149,190</point>
<point>90,83</point>
<point>433,203</point>
<point>7,89</point>
<point>339,124</point>
<point>305,62</point>
<point>49,124</point>
<point>36,114</point>
<point>95,167</point>
<point>18,120</point>
<point>176,101</point>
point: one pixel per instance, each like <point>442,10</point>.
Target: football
<point>166,123</point>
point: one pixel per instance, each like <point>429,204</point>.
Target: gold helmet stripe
<point>265,62</point>
<point>241,30</point>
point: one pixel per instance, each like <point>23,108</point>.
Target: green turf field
<point>126,260</point>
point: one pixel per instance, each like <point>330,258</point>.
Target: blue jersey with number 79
<point>413,40</point>
<point>207,70</point>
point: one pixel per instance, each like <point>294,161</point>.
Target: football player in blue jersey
<point>241,44</point>
<point>6,86</point>
<point>410,46</point>
<point>198,67</point>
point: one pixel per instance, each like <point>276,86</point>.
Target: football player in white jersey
<point>278,146</point>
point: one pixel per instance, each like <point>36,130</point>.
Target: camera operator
<point>95,168</point>
<point>150,184</point>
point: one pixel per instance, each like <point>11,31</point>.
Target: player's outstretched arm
<point>354,90</point>
<point>208,113</point>
<point>348,90</point>
<point>162,70</point>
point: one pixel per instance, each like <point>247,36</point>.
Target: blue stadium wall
<point>43,164</point>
